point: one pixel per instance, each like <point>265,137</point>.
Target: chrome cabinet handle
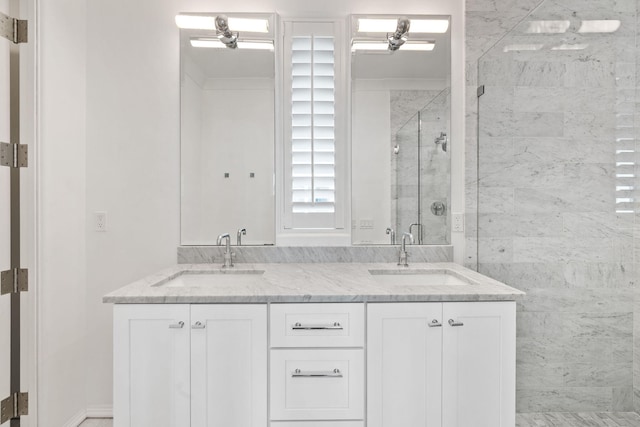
<point>317,374</point>
<point>198,325</point>
<point>178,325</point>
<point>299,326</point>
<point>454,323</point>
<point>434,324</point>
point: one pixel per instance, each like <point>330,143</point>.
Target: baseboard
<point>77,419</point>
<point>93,411</point>
<point>100,411</point>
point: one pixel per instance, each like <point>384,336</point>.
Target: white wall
<point>236,136</point>
<point>61,284</point>
<point>190,155</point>
<point>132,159</point>
<point>132,144</point>
<point>371,163</point>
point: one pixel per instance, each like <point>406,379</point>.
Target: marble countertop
<point>316,282</point>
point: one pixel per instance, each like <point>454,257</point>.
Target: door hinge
<point>480,91</point>
<point>14,281</point>
<point>14,155</point>
<point>14,406</point>
<point>14,30</point>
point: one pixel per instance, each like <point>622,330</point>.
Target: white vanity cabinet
<point>178,365</point>
<point>427,364</point>
<point>441,364</point>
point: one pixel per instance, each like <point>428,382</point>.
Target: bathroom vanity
<point>315,345</point>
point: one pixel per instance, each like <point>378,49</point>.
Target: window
<point>312,143</point>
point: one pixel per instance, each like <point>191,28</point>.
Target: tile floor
<point>590,419</point>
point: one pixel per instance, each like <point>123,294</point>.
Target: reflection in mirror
<point>401,104</point>
<point>227,128</point>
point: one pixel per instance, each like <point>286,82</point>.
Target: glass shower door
<point>556,197</point>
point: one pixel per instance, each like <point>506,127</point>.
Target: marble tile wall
<point>311,254</point>
<point>545,158</point>
<point>435,164</point>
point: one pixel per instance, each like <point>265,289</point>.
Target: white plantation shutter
<point>311,141</point>
<point>313,125</point>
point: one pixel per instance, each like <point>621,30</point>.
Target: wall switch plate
<point>100,221</point>
<point>458,222</point>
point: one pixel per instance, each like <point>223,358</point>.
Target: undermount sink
<point>421,277</point>
<point>200,279</point>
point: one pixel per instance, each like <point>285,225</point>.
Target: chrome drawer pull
<point>434,323</point>
<point>454,323</point>
<point>178,325</point>
<point>317,374</point>
<point>198,325</point>
<point>299,326</point>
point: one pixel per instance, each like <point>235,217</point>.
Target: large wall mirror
<point>401,114</point>
<point>227,128</point>
<point>401,119</point>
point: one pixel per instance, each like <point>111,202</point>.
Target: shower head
<point>224,33</point>
<point>399,37</point>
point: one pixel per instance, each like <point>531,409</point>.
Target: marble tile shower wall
<point>555,140</point>
<point>404,107</point>
<point>436,168</point>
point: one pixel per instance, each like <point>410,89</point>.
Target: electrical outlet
<point>100,221</point>
<point>458,222</point>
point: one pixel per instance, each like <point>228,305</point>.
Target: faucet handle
<point>222,236</point>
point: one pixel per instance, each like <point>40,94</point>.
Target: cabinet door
<point>151,365</point>
<point>404,351</point>
<point>229,365</point>
<point>479,364</point>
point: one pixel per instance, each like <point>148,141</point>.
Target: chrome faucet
<point>241,232</point>
<point>392,235</point>
<point>228,255</point>
<point>419,226</point>
<point>402,258</point>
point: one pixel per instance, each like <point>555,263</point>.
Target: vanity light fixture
<point>548,27</point>
<point>399,36</point>
<point>241,44</point>
<point>225,35</point>
<point>208,22</point>
<point>436,26</point>
<point>196,22</point>
<point>368,45</point>
<point>388,25</point>
<point>382,46</point>
<point>367,25</point>
<point>599,26</point>
<point>419,45</point>
<point>249,25</point>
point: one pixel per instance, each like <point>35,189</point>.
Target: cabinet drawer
<point>317,384</point>
<point>317,325</point>
<point>317,424</point>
